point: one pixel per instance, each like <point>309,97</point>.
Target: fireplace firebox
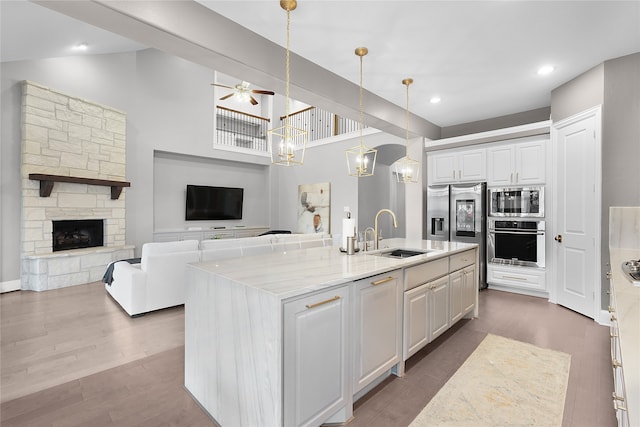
<point>77,234</point>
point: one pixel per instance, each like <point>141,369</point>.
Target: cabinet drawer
<point>517,277</point>
<point>423,273</point>
<point>461,260</point>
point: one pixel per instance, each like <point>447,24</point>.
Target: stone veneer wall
<point>66,135</point>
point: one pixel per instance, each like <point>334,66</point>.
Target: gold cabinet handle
<point>381,281</point>
<point>323,302</point>
<point>613,318</point>
<point>616,363</point>
<point>611,309</point>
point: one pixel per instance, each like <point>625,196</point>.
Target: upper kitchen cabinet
<point>521,163</point>
<point>451,166</point>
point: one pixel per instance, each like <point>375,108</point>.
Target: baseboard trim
<point>10,286</point>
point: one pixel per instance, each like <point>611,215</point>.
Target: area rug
<point>503,383</point>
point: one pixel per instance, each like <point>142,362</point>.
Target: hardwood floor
<point>72,357</point>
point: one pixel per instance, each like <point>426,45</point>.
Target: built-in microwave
<point>516,201</point>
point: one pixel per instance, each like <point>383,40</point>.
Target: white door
<point>576,202</point>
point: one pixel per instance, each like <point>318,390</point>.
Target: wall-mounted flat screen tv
<point>213,203</point>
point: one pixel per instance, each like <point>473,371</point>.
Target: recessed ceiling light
<point>81,47</point>
<point>546,69</point>
<point>434,99</point>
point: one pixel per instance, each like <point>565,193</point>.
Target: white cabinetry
<point>528,280</point>
<point>416,320</point>
<point>462,283</point>
<point>431,308</point>
<point>316,360</point>
<point>439,320</point>
<point>521,163</point>
<point>377,326</point>
<point>453,166</point>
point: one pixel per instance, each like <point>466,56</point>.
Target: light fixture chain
<point>286,106</point>
<point>361,114</point>
<point>407,143</point>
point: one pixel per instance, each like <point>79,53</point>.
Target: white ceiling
<point>480,57</point>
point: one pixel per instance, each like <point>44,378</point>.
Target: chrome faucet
<point>375,225</point>
<point>366,242</point>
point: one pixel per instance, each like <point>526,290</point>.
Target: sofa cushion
<point>160,248</point>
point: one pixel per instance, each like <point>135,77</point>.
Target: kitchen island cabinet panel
<point>416,320</point>
<point>439,317</point>
<point>317,379</point>
<point>377,320</point>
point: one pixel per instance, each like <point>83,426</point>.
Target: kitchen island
<point>289,338</point>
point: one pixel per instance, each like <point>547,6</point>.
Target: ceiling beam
<point>194,32</point>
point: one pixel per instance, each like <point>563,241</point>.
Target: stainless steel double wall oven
<point>516,226</point>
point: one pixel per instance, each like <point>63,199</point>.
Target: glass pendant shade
<point>287,145</point>
<point>407,170</point>
<point>361,160</point>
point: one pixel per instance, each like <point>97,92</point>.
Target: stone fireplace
<point>69,137</point>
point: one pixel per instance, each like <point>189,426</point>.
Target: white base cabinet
<point>448,295</point>
<point>416,324</point>
<point>526,280</point>
<point>317,380</point>
<point>462,289</point>
<point>438,307</point>
<point>377,323</point>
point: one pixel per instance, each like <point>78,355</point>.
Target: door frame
<point>595,112</point>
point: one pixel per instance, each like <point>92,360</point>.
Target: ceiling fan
<point>242,92</point>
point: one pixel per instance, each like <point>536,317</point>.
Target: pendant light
<point>361,160</point>
<point>407,170</point>
<point>287,143</point>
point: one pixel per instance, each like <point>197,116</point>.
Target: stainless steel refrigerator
<point>458,213</point>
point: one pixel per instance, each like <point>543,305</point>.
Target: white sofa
<point>159,280</point>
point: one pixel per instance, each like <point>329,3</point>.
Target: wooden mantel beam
<point>46,183</point>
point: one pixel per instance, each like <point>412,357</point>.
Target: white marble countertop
<point>627,297</point>
<point>293,273</point>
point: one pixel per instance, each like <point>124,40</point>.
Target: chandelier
<point>287,143</point>
<point>361,160</point>
<point>407,170</point>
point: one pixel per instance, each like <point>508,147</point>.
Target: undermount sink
<point>401,253</point>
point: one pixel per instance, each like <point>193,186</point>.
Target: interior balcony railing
<point>238,130</point>
<point>235,129</point>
